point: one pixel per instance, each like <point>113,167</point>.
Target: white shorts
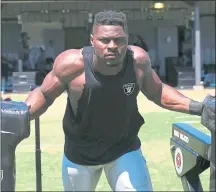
<point>127,173</point>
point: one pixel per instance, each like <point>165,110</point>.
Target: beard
<point>112,63</point>
<point>102,62</point>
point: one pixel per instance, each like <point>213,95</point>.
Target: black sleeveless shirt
<point>107,122</point>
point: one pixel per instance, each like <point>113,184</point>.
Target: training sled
<point>190,151</point>
<point>193,151</point>
<point>15,127</point>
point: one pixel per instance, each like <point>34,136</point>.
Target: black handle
<point>212,186</point>
<point>38,156</point>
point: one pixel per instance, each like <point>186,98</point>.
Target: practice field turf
<point>155,136</point>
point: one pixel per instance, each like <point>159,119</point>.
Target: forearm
<point>38,103</point>
<point>173,100</point>
<point>162,94</point>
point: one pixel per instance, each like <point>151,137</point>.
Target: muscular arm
<point>54,84</point>
<point>160,93</point>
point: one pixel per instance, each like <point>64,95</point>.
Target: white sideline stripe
<point>187,116</point>
<point>42,145</point>
<point>62,145</point>
<point>168,122</point>
<point>145,112</point>
<point>190,121</point>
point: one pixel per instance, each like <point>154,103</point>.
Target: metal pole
<point>89,27</point>
<point>38,156</point>
<point>212,185</point>
<point>191,182</point>
<point>193,40</point>
<point>197,45</point>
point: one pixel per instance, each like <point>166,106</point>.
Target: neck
<point>104,69</point>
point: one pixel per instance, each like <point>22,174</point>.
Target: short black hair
<point>111,18</point>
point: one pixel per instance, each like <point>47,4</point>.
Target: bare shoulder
<point>140,55</point>
<point>68,63</point>
<point>142,61</point>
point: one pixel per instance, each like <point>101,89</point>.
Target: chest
<point>77,84</point>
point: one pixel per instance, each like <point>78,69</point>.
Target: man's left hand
<point>208,113</point>
<point>6,99</point>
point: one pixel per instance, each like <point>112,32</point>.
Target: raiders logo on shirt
<point>129,88</point>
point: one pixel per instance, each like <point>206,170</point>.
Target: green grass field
<point>155,136</point>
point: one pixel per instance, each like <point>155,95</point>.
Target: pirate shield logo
<point>129,88</point>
